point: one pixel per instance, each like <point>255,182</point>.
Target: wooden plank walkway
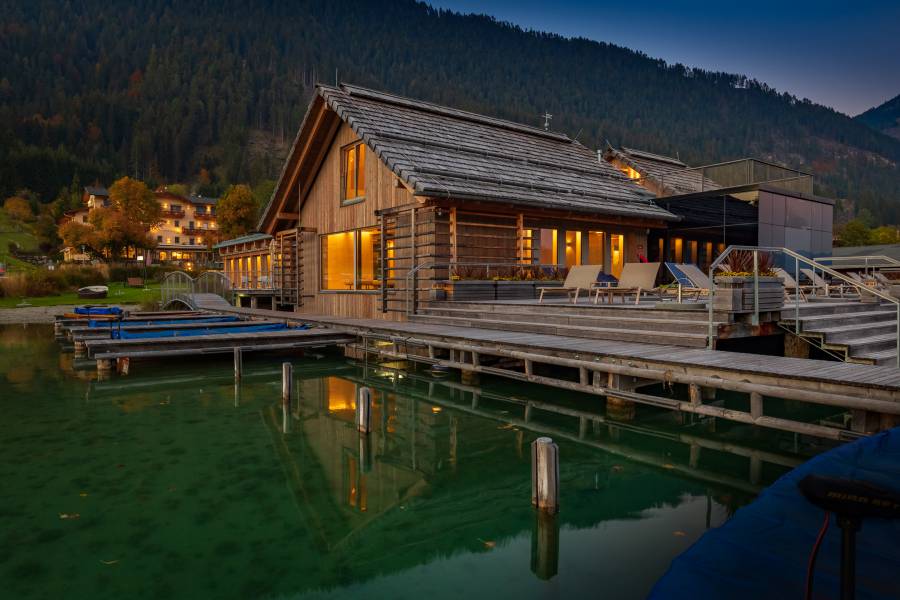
<point>751,365</point>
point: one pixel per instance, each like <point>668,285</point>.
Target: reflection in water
<point>188,485</point>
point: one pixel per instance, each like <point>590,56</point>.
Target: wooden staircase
<point>859,332</point>
<point>687,328</point>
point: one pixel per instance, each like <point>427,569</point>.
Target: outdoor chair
<point>686,282</point>
<point>792,289</point>
<point>820,283</point>
<point>580,277</point>
<point>636,278</point>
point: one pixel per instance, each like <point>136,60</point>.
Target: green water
<point>173,483</point>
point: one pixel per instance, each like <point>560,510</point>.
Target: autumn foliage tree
<point>78,235</point>
<point>134,199</point>
<point>237,211</point>
<point>18,209</point>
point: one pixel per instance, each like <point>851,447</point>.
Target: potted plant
<point>734,285</point>
<point>514,283</point>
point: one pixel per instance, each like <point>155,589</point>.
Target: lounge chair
<point>820,283</point>
<point>791,288</point>
<point>686,283</point>
<point>580,278</point>
<point>636,278</point>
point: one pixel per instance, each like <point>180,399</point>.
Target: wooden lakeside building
<point>383,197</point>
<point>377,185</point>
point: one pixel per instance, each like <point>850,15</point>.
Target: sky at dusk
<point>841,54</point>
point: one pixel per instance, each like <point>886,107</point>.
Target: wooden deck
<point>617,369</point>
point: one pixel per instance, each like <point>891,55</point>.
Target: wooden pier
<point>619,371</point>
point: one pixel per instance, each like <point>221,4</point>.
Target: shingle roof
<point>250,237</point>
<point>200,199</point>
<point>93,190</point>
<point>445,152</point>
<point>672,174</point>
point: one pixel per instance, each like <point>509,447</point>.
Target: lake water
<point>174,483</point>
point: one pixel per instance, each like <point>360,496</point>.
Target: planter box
<point>735,294</point>
<point>471,290</point>
<point>515,290</point>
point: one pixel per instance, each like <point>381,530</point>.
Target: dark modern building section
<point>747,201</point>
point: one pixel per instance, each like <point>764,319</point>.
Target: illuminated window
<point>595,247</point>
<point>678,245</point>
<point>549,247</point>
<point>354,172</point>
<point>694,258</point>
<point>573,248</point>
<point>631,173</point>
<point>617,247</point>
<point>351,260</point>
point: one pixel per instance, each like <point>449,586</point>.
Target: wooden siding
<point>321,210</point>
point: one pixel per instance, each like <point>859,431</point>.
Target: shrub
<point>740,263</point>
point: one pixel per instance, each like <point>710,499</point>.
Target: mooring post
<point>287,381</point>
<point>238,363</point>
<point>545,475</point>
<point>364,410</point>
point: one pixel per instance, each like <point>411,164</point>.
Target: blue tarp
<point>114,324</point>
<point>762,551</point>
<point>98,310</point>
<point>134,335</point>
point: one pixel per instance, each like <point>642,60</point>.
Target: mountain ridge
<point>884,118</point>
<point>206,90</point>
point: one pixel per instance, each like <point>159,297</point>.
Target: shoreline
<point>38,314</point>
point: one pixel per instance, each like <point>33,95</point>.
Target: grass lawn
<point>9,232</point>
<point>118,294</point>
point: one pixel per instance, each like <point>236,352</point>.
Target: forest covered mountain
<point>211,92</point>
<point>884,118</point>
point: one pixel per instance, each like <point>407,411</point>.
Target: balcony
<point>205,215</point>
<point>171,214</point>
<point>738,173</point>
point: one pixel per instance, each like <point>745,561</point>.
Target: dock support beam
<point>545,475</point>
<point>364,410</point>
<point>105,366</point>
<point>238,364</point>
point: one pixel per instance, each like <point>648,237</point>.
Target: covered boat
<point>93,291</point>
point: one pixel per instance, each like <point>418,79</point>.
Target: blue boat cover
<point>164,333</point>
<point>762,552</point>
<point>98,310</point>
<point>114,324</point>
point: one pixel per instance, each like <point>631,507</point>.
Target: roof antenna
<point>547,117</point>
<point>336,78</point>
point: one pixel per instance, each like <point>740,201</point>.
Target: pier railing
<point>867,263</point>
<point>179,286</point>
<point>797,259</point>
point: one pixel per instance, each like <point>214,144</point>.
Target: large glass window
<point>549,254</point>
<point>595,247</point>
<point>351,260</point>
<point>573,248</point>
<point>617,249</point>
<point>354,172</point>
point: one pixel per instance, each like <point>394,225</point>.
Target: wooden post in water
<point>238,364</point>
<point>364,410</point>
<point>545,475</point>
<point>287,382</point>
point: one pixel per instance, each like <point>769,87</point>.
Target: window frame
<point>345,153</point>
<point>356,231</point>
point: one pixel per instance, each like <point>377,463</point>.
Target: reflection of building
<point>186,234</point>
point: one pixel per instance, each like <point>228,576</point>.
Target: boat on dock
<point>93,292</point>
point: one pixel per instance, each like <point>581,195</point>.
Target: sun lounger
<point>580,278</point>
<point>636,278</point>
<point>791,288</point>
<point>689,278</point>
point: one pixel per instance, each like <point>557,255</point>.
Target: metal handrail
<point>178,283</point>
<point>437,265</point>
<point>866,260</point>
<point>798,258</point>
